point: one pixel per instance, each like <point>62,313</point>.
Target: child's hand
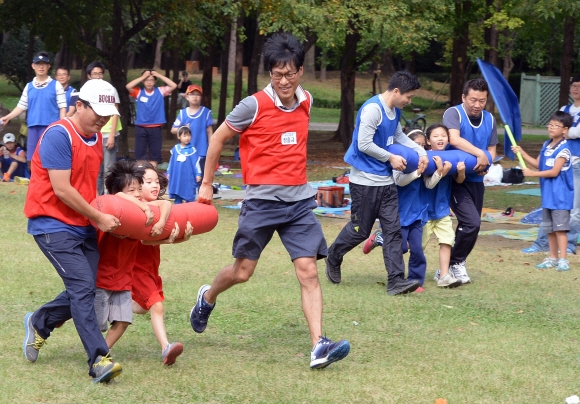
<point>517,149</point>
<point>423,163</point>
<point>198,178</point>
<point>461,166</point>
<point>438,163</point>
<point>173,235</point>
<point>446,168</point>
<point>146,74</point>
<point>149,216</point>
<point>188,231</point>
<point>529,172</point>
<point>157,229</point>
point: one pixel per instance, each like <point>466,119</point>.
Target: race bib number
<point>289,138</point>
<point>181,158</point>
<point>550,162</point>
<point>143,99</point>
<point>389,140</point>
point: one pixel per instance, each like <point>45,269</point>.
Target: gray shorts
<point>296,224</point>
<point>113,305</point>
<point>555,220</point>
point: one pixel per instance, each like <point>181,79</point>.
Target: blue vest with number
<point>557,192</point>
<point>479,136</point>
<point>383,137</point>
<point>150,108</point>
<point>573,144</point>
<point>42,107</point>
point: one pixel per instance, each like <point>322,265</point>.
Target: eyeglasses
<point>551,125</point>
<point>97,74</point>
<point>278,76</point>
<point>86,104</point>
<point>575,86</point>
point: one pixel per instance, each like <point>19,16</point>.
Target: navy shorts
<point>148,139</point>
<point>296,224</point>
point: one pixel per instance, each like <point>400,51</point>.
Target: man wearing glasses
<point>573,138</point>
<point>273,129</point>
<point>62,185</point>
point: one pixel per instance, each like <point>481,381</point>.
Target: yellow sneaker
<point>104,369</point>
<point>21,181</point>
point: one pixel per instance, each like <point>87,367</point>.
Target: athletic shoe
<point>569,251</point>
<point>460,272</point>
<point>532,250</point>
<point>437,275</point>
<point>402,286</point>
<point>373,241</point>
<point>563,265</point>
<point>448,281</point>
<point>419,290</point>
<point>32,341</point>
<point>326,352</point>
<point>200,312</point>
<point>332,273</point>
<point>548,263</point>
<point>171,352</point>
<point>104,369</point>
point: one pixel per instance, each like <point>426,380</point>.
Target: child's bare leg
<point>444,257</point>
<point>137,309</point>
<point>158,325</point>
<point>115,332</point>
<point>562,240</point>
<point>553,243</point>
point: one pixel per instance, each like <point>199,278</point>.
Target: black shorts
<point>296,224</point>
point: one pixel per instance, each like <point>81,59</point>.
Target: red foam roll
<point>202,217</point>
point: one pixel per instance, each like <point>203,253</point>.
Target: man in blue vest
<point>372,188</point>
<point>473,130</point>
<point>573,136</point>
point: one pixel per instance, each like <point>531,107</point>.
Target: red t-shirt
<point>118,256</point>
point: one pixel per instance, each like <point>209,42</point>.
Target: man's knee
<point>243,270</point>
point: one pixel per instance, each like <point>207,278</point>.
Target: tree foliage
<point>15,57</point>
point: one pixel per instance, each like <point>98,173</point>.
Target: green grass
<point>510,337</point>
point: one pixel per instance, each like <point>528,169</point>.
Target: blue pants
<point>541,242</point>
<point>412,239</point>
<point>148,139</point>
<point>75,259</point>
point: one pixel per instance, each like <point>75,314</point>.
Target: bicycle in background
<point>418,121</point>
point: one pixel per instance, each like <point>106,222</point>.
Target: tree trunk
<point>508,63</point>
<point>158,46</point>
<point>206,80</point>
<point>239,63</point>
<point>233,42</point>
<point>30,51</point>
<point>388,67</point>
<point>175,62</point>
<point>459,55</point>
<point>323,67</point>
<point>254,67</point>
<point>309,70</point>
<point>567,55</point>
<point>411,64</point>
<point>347,86</point>
<point>224,83</point>
<point>491,35</point>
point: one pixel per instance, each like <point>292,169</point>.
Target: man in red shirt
<point>273,128</point>
<point>63,183</point>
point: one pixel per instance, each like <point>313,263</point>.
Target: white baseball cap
<point>101,96</point>
<point>9,137</point>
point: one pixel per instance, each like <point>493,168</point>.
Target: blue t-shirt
<point>55,152</point>
<point>198,124</point>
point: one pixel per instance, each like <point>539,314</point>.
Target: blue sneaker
<point>563,265</point>
<point>32,341</point>
<point>548,263</point>
<point>532,250</point>
<point>200,312</point>
<point>326,352</point>
<point>569,251</point>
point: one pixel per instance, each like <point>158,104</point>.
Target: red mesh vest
<point>86,161</point>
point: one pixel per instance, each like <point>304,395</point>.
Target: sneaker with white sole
<point>375,240</point>
<point>548,263</point>
<point>32,341</point>
<point>171,352</point>
<point>200,312</point>
<point>460,272</point>
<point>104,369</point>
<point>437,275</point>
<point>563,265</point>
<point>448,281</point>
<point>326,352</point>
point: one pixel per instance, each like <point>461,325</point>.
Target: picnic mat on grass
<point>495,216</point>
<point>530,192</point>
<point>529,234</point>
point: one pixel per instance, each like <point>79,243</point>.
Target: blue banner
<point>506,103</point>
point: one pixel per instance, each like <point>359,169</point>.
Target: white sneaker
<point>448,281</point>
<point>460,272</point>
<point>437,275</point>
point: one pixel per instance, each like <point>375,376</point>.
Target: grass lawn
<point>510,337</point>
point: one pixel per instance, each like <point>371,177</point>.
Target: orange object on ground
<point>330,197</point>
<point>202,217</point>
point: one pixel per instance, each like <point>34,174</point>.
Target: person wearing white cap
<point>44,100</point>
<point>63,183</point>
<point>13,159</point>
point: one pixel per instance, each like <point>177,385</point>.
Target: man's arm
<point>60,181</point>
<point>216,144</point>
<point>15,112</point>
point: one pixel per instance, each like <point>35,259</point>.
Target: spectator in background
<point>182,86</point>
<point>63,77</point>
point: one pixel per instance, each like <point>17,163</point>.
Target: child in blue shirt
<point>13,159</point>
<point>199,121</point>
<point>184,171</point>
<point>557,186</point>
<point>438,198</point>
